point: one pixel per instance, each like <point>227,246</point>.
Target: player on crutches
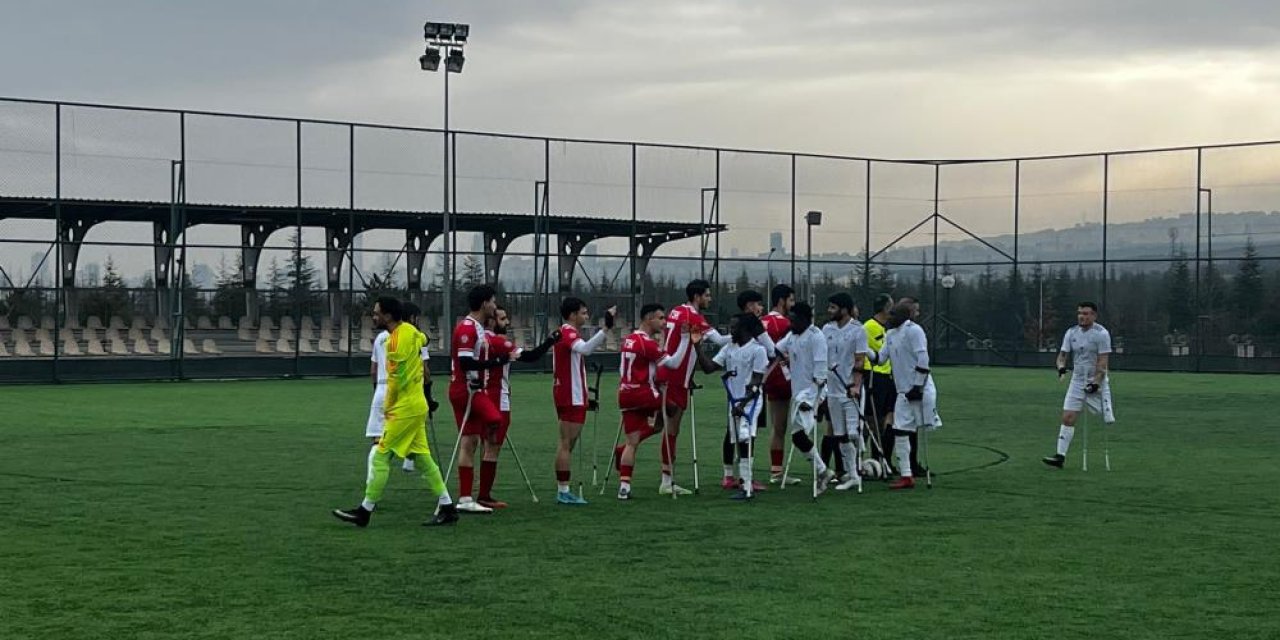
<point>1089,346</point>
<point>745,363</point>
<point>805,349</point>
<point>846,349</point>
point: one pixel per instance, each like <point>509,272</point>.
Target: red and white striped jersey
<point>468,342</point>
<point>640,356</point>
<point>682,321</point>
<point>498,385</point>
<point>569,369</point>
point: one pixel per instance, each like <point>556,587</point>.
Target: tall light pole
<point>812,219</point>
<point>769,266</point>
<point>447,39</point>
<point>948,283</point>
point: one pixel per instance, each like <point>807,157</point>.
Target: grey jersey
<point>1085,347</point>
<point>807,353</point>
<point>842,344</point>
<point>908,350</point>
<point>742,362</point>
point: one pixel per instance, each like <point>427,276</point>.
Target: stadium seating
<point>118,347</point>
<point>71,348</point>
<point>245,333</point>
<point>325,346</point>
<point>204,323</point>
<point>94,348</point>
<point>287,323</point>
<point>141,347</point>
<point>46,347</point>
<point>22,348</point>
<point>4,352</point>
<point>262,346</point>
<point>245,323</point>
<point>65,334</point>
<point>88,334</point>
<point>158,335</point>
<point>46,322</point>
<point>135,334</point>
<point>116,322</point>
<point>43,335</point>
<point>224,323</point>
<point>189,347</point>
<point>264,332</point>
<point>343,345</point>
<point>210,347</point>
<point>141,323</point>
<point>25,323</point>
<point>267,322</point>
<point>4,323</point>
<point>304,346</point>
<point>283,346</point>
<point>94,322</point>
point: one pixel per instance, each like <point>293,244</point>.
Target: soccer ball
<point>872,469</point>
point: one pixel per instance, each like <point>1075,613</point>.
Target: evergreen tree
<point>472,271</point>
<point>1178,293</point>
<point>228,296</point>
<point>1247,291</point>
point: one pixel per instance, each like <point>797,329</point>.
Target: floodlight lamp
<point>453,64</point>
<point>461,32</point>
<point>430,60</point>
<point>814,218</point>
<point>446,31</point>
<point>431,30</point>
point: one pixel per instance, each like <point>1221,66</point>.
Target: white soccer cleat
<point>776,478</point>
<point>624,493</point>
<point>824,480</point>
<point>850,481</point>
<point>668,489</point>
<point>408,466</point>
<point>468,505</point>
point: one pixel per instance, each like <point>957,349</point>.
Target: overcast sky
<point>874,78</point>
<point>884,78</point>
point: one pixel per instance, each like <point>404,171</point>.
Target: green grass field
<point>202,510</point>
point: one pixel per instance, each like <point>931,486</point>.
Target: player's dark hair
<point>480,294</point>
<point>571,306</point>
<point>883,302</point>
<point>392,307</point>
<point>746,327</point>
<point>411,310</point>
<point>842,300</point>
<point>501,308</point>
<point>910,299</point>
<point>650,308</point>
<point>901,312</point>
<point>780,292</point>
<point>747,297</point>
<point>696,288</point>
<point>803,310</point>
<point>1087,305</point>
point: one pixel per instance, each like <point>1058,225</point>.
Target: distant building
<point>775,242</point>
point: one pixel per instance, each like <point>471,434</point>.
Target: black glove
<point>738,410</point>
<point>823,413</point>
<point>553,337</point>
<point>593,405</point>
<point>475,384</point>
<point>1091,388</point>
<point>432,406</point>
<point>805,406</point>
<point>608,319</point>
<point>916,393</point>
<point>1062,371</point>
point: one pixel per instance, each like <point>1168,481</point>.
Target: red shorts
<point>499,435</point>
<point>483,417</point>
<point>638,405</point>
<point>572,415</point>
<point>676,395</point>
<point>777,387</point>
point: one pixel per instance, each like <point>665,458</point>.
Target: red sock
<point>562,476</point>
<point>465,475</point>
<point>625,473</point>
<point>668,448</point>
<point>488,471</point>
<point>775,458</point>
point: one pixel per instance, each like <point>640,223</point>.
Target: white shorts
<point>373,428</point>
<point>746,425</point>
<point>844,414</point>
<point>798,420</point>
<point>1099,403</point>
<point>920,414</point>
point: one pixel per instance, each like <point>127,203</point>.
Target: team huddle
<point>866,385</point>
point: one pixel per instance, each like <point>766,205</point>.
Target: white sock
<point>445,499</point>
<point>563,487</point>
<point>1065,434</point>
<point>744,470</point>
<point>902,451</point>
<point>408,464</point>
<point>849,454</point>
<point>666,479</point>
<point>367,504</point>
<point>819,466</point>
<point>624,486</point>
<point>728,471</point>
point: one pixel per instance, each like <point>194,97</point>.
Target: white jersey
<point>843,343</point>
<point>908,350</point>
<point>1085,345</point>
<point>807,354</point>
<point>741,362</point>
<point>379,355</point>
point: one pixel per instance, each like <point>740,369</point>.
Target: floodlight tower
<point>446,39</point>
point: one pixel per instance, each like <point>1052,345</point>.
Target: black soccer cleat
<point>359,516</point>
<point>446,516</point>
<point>1054,460</point>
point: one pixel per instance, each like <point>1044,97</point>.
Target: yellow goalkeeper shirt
<point>404,373</point>
<point>875,340</point>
